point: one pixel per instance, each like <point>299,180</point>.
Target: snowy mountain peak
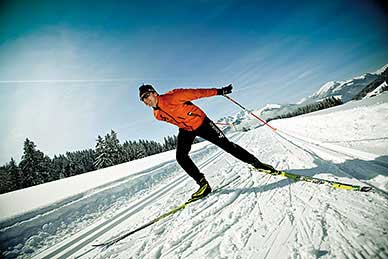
<point>271,107</point>
<point>346,90</point>
<point>381,70</point>
<point>381,88</point>
<point>326,88</point>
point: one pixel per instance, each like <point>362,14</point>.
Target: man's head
<point>148,95</point>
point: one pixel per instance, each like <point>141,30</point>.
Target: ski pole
<point>251,113</point>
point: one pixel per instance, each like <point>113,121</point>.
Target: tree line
<point>36,168</point>
<point>324,104</point>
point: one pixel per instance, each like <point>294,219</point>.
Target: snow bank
<point>361,125</point>
<point>26,200</point>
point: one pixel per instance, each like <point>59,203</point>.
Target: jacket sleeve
<point>184,95</point>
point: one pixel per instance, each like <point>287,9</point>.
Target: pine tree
<point>140,150</point>
<point>75,166</point>
<point>9,177</point>
<point>170,143</point>
<point>87,160</point>
<point>129,151</point>
<point>102,158</point>
<point>60,167</point>
<point>14,175</point>
<point>31,165</point>
<point>113,148</point>
<point>4,180</point>
<point>44,166</point>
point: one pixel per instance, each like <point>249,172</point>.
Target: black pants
<point>209,131</point>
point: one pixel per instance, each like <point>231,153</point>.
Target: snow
<point>381,70</point>
<point>377,91</point>
<point>344,90</point>
<point>362,127</point>
<point>272,106</point>
<point>254,216</point>
<point>324,90</point>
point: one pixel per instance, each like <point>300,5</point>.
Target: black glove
<point>225,90</point>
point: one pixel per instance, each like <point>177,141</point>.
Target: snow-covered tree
<point>33,164</point>
<point>4,180</point>
<point>140,150</point>
<point>129,151</point>
<point>60,167</point>
<point>114,149</point>
<point>14,175</point>
<point>102,156</point>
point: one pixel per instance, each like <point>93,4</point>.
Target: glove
<point>225,90</point>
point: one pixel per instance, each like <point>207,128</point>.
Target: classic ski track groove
<point>309,222</point>
<point>90,235</point>
<point>304,226</point>
<point>366,250</point>
<point>351,151</point>
<point>351,154</point>
<point>313,151</point>
<point>191,233</point>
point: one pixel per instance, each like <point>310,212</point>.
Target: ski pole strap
<point>251,113</point>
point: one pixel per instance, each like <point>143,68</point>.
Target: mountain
<point>347,90</point>
<point>355,89</point>
<point>381,88</point>
<point>375,87</point>
<point>274,110</point>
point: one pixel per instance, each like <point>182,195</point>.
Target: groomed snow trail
<point>262,216</point>
<point>255,216</point>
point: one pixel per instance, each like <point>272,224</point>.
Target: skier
<point>176,107</point>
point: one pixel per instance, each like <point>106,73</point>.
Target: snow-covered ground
<point>254,216</point>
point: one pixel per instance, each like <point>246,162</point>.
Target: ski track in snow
<point>255,216</point>
<point>262,216</point>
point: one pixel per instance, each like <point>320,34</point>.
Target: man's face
<point>150,99</point>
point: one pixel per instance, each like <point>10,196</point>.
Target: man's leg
<point>212,133</point>
<point>184,141</point>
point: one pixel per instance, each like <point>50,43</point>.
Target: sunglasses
<point>144,96</point>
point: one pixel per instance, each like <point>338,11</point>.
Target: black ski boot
<point>265,167</point>
<point>204,189</point>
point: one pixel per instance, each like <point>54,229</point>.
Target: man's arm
<point>184,95</point>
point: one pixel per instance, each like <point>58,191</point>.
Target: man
<point>176,107</point>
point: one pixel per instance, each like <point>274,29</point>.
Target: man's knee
<point>181,157</point>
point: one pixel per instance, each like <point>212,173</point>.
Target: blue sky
<point>70,70</point>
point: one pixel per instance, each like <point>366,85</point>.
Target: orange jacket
<point>175,107</point>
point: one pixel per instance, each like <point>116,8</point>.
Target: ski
<point>169,213</point>
<point>333,184</point>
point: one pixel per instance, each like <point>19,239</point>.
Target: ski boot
<point>265,168</point>
<point>204,189</point>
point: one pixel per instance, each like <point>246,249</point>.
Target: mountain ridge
<point>347,90</point>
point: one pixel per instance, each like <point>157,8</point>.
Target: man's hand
<point>225,90</point>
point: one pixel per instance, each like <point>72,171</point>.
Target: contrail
<point>79,80</point>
